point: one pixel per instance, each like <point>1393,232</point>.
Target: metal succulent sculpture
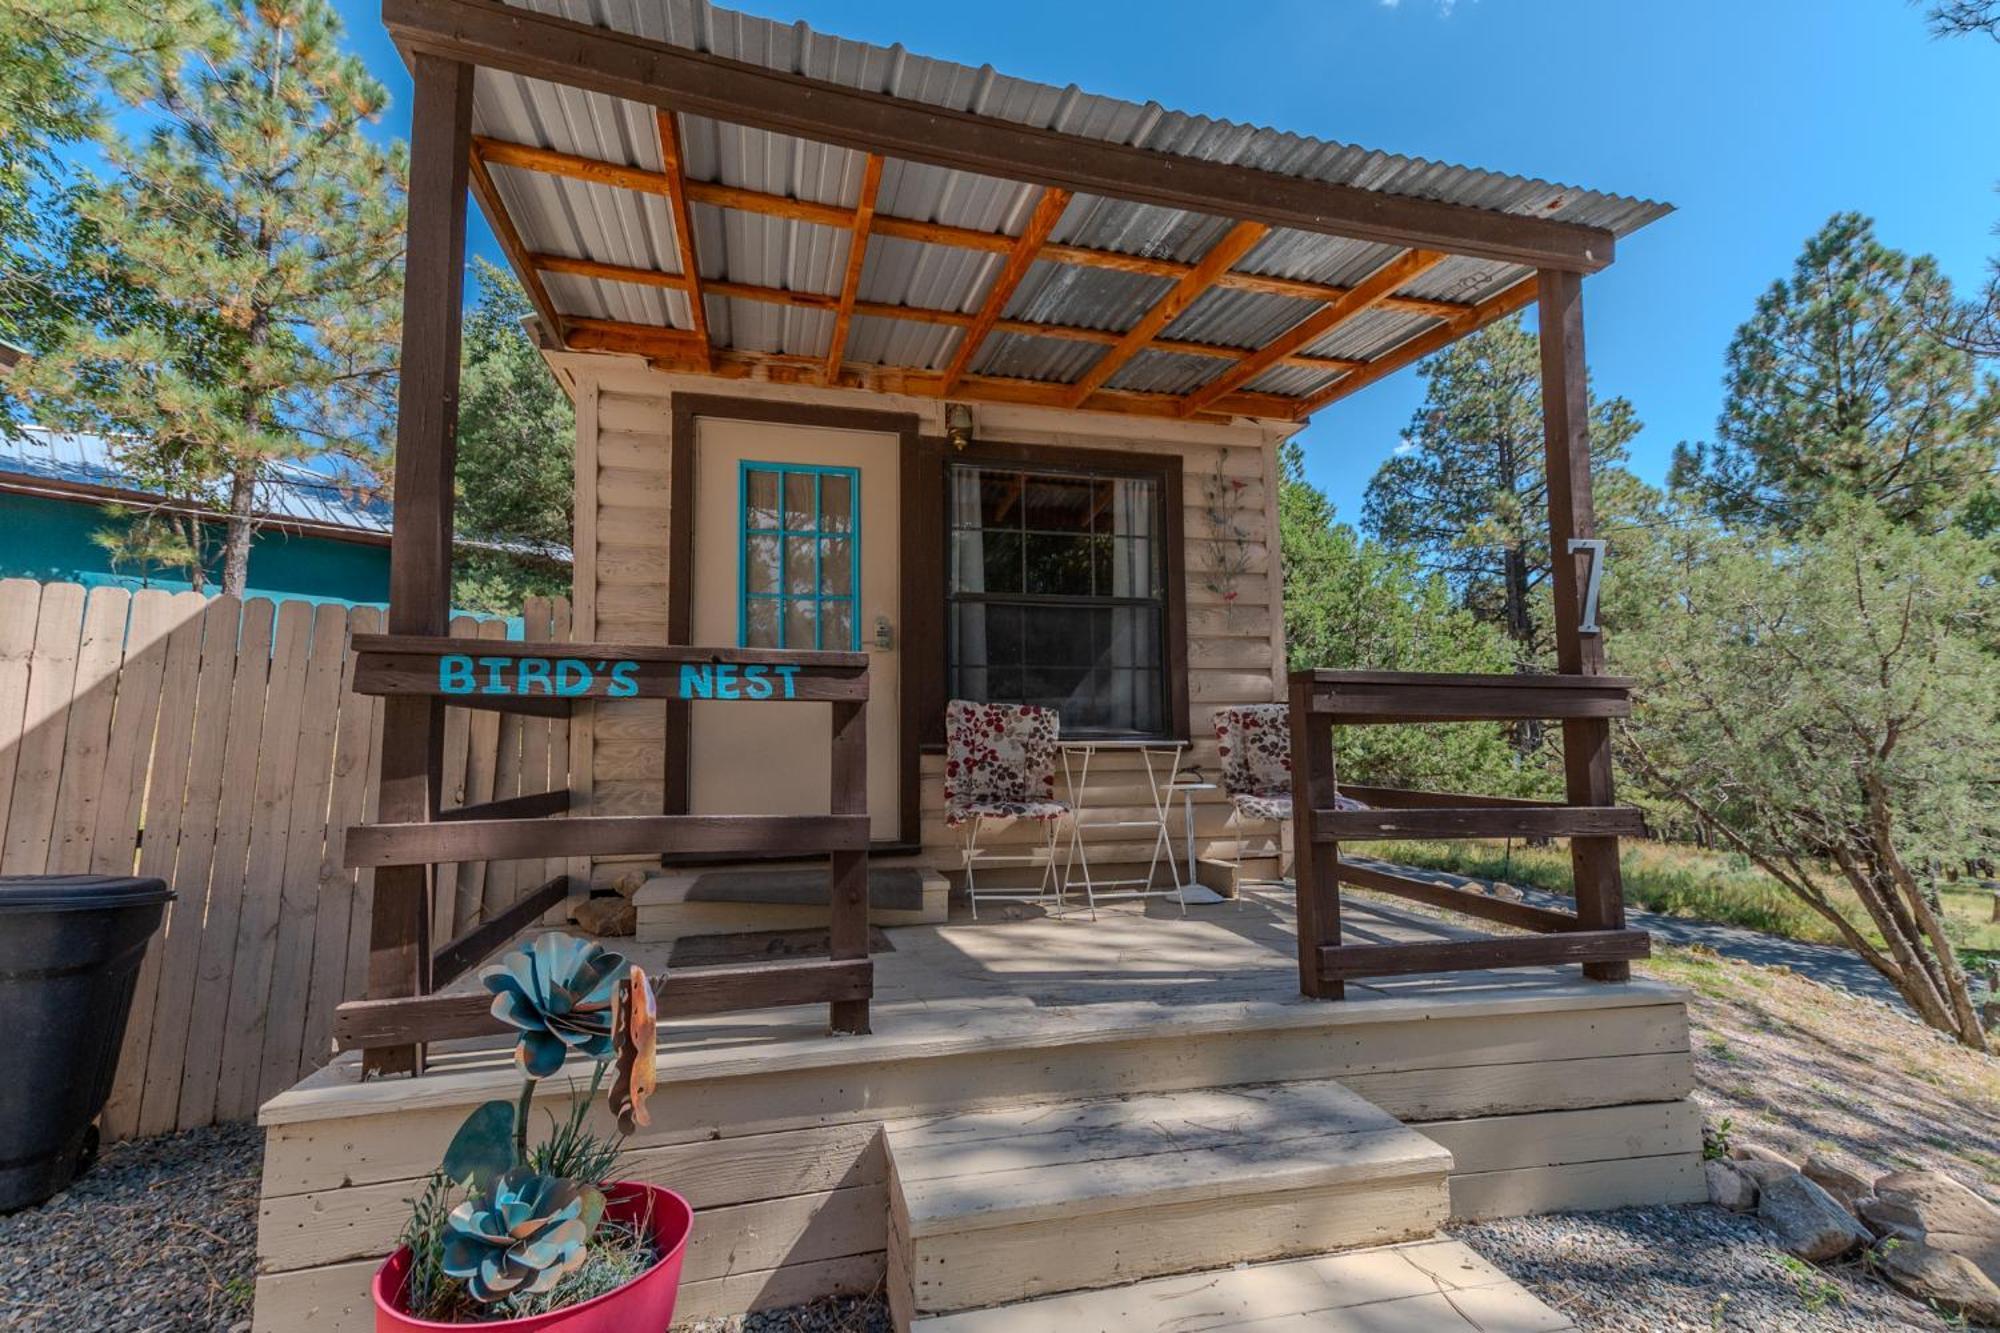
<point>557,992</point>
<point>530,1217</point>
<point>522,1235</point>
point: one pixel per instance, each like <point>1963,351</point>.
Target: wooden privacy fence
<point>217,745</point>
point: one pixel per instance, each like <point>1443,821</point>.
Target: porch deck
<point>1027,978</point>
<point>1549,1091</point>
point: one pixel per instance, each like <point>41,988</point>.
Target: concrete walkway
<point>1828,964</point>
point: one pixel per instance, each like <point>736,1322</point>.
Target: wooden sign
<point>564,677</point>
<point>485,673</point>
<point>576,677</point>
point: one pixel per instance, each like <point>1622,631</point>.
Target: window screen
<point>1056,595</point>
<point>801,557</point>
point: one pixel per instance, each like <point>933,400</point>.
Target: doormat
<point>760,946</point>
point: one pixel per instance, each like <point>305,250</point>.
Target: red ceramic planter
<point>643,1305</point>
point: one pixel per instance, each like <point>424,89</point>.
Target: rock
<point>1951,1280</point>
<point>1934,1209</point>
<point>1843,1182</point>
<point>629,884</point>
<point>1764,1172</point>
<point>606,916</point>
<point>1757,1152</point>
<point>1730,1188</point>
<point>1809,1222</point>
<point>1507,892</point>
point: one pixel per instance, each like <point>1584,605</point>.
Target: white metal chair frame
<point>1049,889</point>
<point>1076,757</point>
<point>1275,850</point>
<point>1242,822</point>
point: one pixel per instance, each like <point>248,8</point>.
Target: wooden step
<point>1004,1205</point>
<point>1428,1286</point>
<point>679,904</point>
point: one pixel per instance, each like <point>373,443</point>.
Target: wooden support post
<point>1315,865</point>
<point>411,772</point>
<point>1600,890</point>
<point>847,888</point>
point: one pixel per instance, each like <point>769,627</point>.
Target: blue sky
<point>1756,120</point>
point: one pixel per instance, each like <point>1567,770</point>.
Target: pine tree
<point>1977,327</point>
<point>516,444</point>
<point>55,56</point>
<point>1468,490</point>
<point>1843,385</point>
<point>260,217</point>
<point>1353,603</point>
<point>1824,705</point>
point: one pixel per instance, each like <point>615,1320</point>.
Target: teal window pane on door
<point>799,557</point>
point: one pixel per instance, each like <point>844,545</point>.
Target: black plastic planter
<point>70,948</point>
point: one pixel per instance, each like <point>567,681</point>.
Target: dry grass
<point>1678,880</point>
<point>1799,1066</point>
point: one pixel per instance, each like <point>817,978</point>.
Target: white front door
<point>796,542</point>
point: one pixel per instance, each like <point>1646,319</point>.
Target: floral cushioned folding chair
<point>1255,741</point>
<point>1000,764</point>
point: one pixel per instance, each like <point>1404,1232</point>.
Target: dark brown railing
<point>545,677</point>
<point>1594,935</point>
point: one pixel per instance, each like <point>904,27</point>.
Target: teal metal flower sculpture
<point>522,1235</point>
<point>530,1218</point>
<point>557,991</point>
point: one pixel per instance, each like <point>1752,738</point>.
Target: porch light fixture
<point>958,424</point>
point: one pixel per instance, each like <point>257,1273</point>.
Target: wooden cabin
<point>899,382</point>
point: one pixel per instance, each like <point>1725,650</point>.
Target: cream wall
<point>623,451</point>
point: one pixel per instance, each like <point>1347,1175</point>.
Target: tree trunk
<point>1911,972</point>
<point>1916,984</point>
<point>189,526</point>
<point>1521,629</point>
<point>242,525</point>
<point>1971,1032</point>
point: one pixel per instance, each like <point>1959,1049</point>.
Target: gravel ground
<point>177,1217</point>
<point>159,1237</point>
<point>1695,1267</point>
<point>849,1314</point>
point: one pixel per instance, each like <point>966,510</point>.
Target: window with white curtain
<point>1056,594</point>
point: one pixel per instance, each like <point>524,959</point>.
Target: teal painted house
<point>317,542</point>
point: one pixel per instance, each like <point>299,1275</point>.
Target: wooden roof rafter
<point>488,195</point>
<point>857,255</point>
<point>1237,242</point>
<point>1020,258</point>
<point>1435,338</point>
<point>549,162</point>
<point>675,173</point>
<point>671,350</point>
<point>1366,294</point>
<point>958,319</point>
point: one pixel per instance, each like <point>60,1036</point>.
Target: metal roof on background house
<point>564,216</point>
<point>78,465</point>
<point>289,492</point>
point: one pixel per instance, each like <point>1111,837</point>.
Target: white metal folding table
<point>1163,763</point>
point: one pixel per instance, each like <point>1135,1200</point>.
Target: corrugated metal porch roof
<point>580,219</point>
